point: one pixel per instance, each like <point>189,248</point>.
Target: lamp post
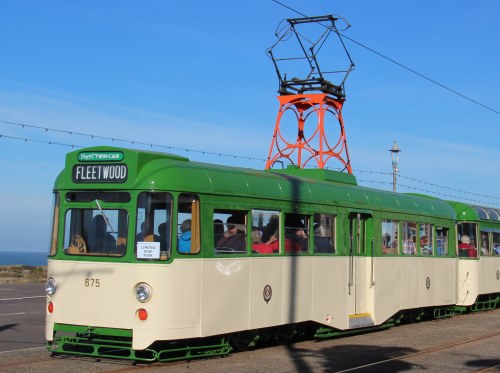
<point>394,154</point>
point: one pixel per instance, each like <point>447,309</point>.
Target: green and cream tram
<point>155,257</point>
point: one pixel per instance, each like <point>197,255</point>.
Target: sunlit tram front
<point>104,298</point>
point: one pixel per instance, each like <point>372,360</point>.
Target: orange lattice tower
<point>310,113</point>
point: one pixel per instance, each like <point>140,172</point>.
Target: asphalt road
<point>22,316</point>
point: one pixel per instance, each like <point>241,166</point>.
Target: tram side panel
<point>388,279</point>
<point>409,285</point>
<point>445,281</point>
<point>297,289</point>
<point>225,288</point>
<point>266,292</point>
<point>329,291</point>
<point>490,275</point>
<point>427,283</point>
<point>468,281</point>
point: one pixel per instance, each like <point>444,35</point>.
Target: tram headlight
<point>50,287</point>
<point>143,292</point>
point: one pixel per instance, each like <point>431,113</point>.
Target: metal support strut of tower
<point>311,142</point>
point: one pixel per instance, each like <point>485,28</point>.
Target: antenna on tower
<point>308,94</point>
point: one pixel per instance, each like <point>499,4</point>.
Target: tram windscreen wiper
<point>104,216</point>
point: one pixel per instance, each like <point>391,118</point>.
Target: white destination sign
<point>148,250</point>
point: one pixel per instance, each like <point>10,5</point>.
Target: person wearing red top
<point>465,249</point>
<point>259,247</point>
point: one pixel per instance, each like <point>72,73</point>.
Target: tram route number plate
<point>100,173</point>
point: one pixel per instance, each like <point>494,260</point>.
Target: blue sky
<point>195,75</point>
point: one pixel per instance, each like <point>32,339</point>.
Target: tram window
<point>494,215</point>
<point>467,240</point>
<point>230,232</point>
<point>95,232</point>
<point>153,226</point>
<point>265,232</point>
<point>324,233</point>
<point>409,236</point>
<point>296,233</point>
<point>482,212</point>
<point>55,224</point>
<point>426,239</point>
<point>188,224</point>
<point>442,241</point>
<point>496,243</point>
<point>485,243</point>
<point>390,238</point>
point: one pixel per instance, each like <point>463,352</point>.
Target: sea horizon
<point>29,258</point>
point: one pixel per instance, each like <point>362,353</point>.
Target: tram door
<point>360,261</point>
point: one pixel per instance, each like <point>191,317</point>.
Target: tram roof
<point>163,171</point>
<point>466,211</point>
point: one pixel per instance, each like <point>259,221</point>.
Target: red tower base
<point>310,142</point>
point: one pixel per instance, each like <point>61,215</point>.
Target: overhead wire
<point>150,145</point>
<point>25,139</point>
<point>401,65</point>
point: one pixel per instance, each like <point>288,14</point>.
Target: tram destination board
<point>100,173</point>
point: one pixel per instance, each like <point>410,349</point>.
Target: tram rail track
<point>126,366</point>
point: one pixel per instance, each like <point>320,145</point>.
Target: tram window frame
<point>496,243</point>
<point>265,232</point>
<point>79,224</point>
<point>486,249</point>
<point>297,233</point>
<point>233,224</point>
<point>188,221</point>
<point>409,238</point>
<point>442,241</point>
<point>469,250</point>
<point>390,242</point>
<point>324,233</point>
<point>55,224</point>
<point>153,210</point>
<point>425,230</point>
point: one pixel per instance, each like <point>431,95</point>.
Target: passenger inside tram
<point>233,239</point>
<point>425,247</point>
<point>322,244</point>
<point>218,230</point>
<point>184,242</point>
<point>269,247</point>
<point>98,238</point>
<point>465,249</point>
<point>485,245</point>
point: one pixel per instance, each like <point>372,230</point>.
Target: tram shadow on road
<point>7,327</point>
<point>346,357</point>
<point>484,363</point>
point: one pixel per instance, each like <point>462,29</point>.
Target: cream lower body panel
<point>408,282</point>
<point>490,275</point>
<point>245,294</point>
<point>204,297</point>
<point>468,281</point>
